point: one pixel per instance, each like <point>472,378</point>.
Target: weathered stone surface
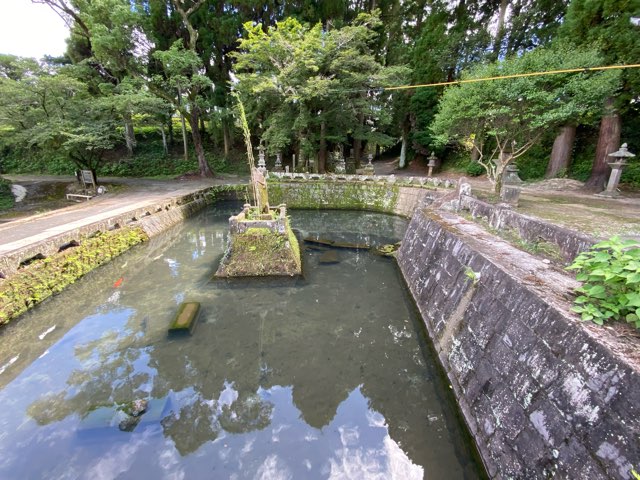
<point>261,252</point>
<point>544,394</point>
<point>529,228</point>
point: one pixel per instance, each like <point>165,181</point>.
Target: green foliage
<point>610,273</point>
<point>460,161</point>
<point>532,165</point>
<point>34,160</point>
<point>304,85</point>
<point>6,197</point>
<point>607,25</point>
<point>512,115</point>
<point>52,110</point>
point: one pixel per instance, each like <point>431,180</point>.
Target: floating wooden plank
<point>186,318</point>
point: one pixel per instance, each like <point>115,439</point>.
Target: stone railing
<point>241,223</point>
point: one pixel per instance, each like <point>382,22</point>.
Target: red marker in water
<point>118,283</point>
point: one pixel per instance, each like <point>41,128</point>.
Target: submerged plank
<point>186,318</point>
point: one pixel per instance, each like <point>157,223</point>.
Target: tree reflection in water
<point>320,378</point>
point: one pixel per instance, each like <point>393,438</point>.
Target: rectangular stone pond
<point>329,376</point>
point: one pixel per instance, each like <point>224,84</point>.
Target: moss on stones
<point>260,252</point>
<point>373,196</point>
<point>48,276</point>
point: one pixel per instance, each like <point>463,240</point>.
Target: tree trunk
<point>403,152</point>
<point>203,128</point>
<point>205,170</point>
<point>184,137</point>
<point>405,145</point>
<point>561,152</point>
<point>500,30</point>
<point>357,151</point>
<point>377,151</point>
<point>608,142</point>
<point>226,137</point>
<point>503,160</point>
<point>165,147</point>
<point>129,134</point>
<point>475,152</point>
<point>322,154</point>
<point>170,130</point>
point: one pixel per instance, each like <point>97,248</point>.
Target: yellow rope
<point>516,75</point>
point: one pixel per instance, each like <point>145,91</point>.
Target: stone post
<point>616,170</point>
<point>339,163</point>
<point>433,162</point>
<point>511,186</point>
<point>368,168</point>
<point>262,164</point>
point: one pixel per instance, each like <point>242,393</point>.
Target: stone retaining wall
<point>153,219</point>
<point>21,289</point>
<point>542,394</point>
<point>531,229</point>
<point>333,193</point>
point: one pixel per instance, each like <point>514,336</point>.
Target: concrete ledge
<point>543,394</point>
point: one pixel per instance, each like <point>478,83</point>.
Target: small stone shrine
<point>261,242</point>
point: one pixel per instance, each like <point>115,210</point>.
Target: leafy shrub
<point>610,273</point>
<point>533,164</point>
<point>461,162</point>
<point>6,197</point>
<point>37,161</point>
<point>631,174</point>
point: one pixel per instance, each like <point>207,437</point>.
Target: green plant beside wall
<point>610,273</point>
<point>6,197</point>
<point>51,275</point>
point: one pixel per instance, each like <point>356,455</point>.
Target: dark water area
<point>329,376</point>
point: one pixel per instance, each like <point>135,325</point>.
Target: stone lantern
<point>511,185</point>
<point>620,160</point>
<point>339,163</point>
<point>433,162</point>
<point>262,165</point>
<point>278,166</point>
<point>368,168</point>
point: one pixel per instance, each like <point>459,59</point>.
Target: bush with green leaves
<point>610,273</point>
<point>6,197</point>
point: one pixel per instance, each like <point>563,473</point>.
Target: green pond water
<point>329,376</point>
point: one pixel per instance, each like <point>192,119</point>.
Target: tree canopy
<point>314,75</point>
<point>501,119</point>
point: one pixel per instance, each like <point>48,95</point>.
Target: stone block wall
<point>544,395</point>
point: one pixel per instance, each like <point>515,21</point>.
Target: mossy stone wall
<point>42,278</point>
<point>343,195</point>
